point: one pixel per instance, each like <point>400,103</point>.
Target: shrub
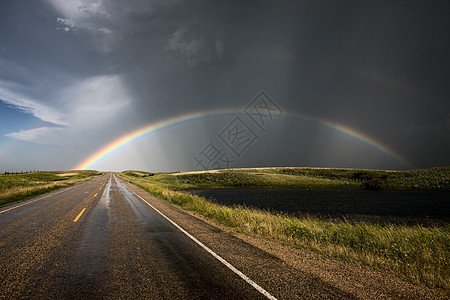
<point>372,184</point>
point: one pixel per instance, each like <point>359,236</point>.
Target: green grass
<point>23,186</point>
<point>436,179</point>
<point>416,253</point>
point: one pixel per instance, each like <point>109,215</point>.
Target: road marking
<point>216,256</point>
<point>95,195</point>
<point>79,215</point>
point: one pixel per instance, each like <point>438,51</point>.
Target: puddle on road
<point>106,199</point>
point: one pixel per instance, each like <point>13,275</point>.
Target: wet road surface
<point>100,240</point>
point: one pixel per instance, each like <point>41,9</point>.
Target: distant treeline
<point>15,173</point>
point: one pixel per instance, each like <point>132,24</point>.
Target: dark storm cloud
<point>380,67</point>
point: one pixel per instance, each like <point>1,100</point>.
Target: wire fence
<point>17,173</point>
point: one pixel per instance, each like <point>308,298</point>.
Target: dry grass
<point>195,172</point>
<point>25,190</point>
<point>22,186</point>
<point>67,174</point>
<point>436,179</point>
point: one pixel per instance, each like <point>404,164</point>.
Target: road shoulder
<point>288,271</point>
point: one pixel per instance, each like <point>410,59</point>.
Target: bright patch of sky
<point>13,119</point>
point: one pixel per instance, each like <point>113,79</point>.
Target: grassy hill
<point>15,187</point>
<point>436,179</point>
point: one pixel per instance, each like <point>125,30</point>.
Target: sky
<point>173,85</point>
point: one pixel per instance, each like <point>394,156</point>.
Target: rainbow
<point>177,120</point>
<point>147,129</point>
<point>370,141</point>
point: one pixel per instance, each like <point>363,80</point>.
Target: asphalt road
<point>99,239</point>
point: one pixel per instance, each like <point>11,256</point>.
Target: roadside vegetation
<point>417,253</point>
<point>16,187</point>
<point>434,179</point>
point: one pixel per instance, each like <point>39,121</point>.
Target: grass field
<point>22,186</point>
<point>436,179</point>
<point>417,253</point>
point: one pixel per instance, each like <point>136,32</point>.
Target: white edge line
<point>219,258</point>
<point>41,198</point>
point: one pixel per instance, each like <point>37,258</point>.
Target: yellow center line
<point>79,215</point>
<point>95,195</point>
